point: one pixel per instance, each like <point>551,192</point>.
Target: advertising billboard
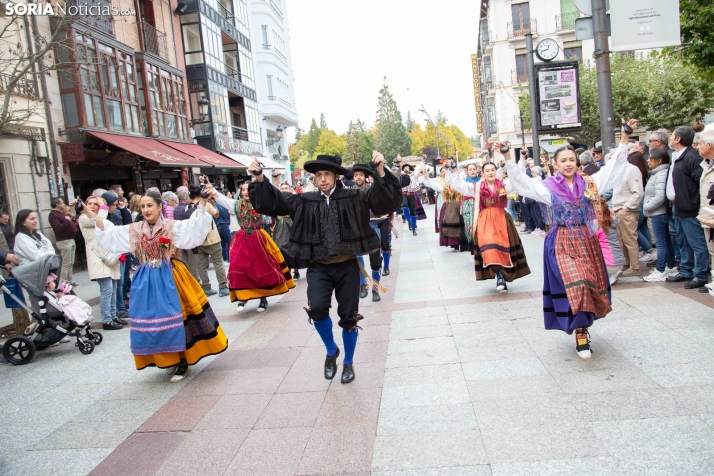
<point>558,91</point>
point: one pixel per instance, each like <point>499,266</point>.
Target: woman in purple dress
<point>576,289</point>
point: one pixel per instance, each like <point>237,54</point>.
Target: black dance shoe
<point>501,284</point>
<point>375,296</point>
<point>385,272</point>
<point>331,365</point>
<point>348,373</point>
<point>364,290</point>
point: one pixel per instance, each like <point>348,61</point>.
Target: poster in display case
<point>558,96</point>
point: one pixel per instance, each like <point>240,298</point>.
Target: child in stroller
<point>74,308</point>
<point>52,323</point>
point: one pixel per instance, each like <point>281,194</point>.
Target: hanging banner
<point>644,24</point>
<point>558,89</point>
<point>477,93</point>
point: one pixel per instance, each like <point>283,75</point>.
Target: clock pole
<point>532,90</point>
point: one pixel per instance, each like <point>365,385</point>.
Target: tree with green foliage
<point>353,150</point>
<point>696,19</point>
<point>367,145</point>
<point>298,133</point>
<point>330,144</point>
<point>313,137</point>
<point>391,137</point>
<point>661,91</point>
<point>323,122</point>
<point>409,123</point>
<point>476,141</point>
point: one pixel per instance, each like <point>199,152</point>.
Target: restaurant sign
<point>72,153</point>
<point>228,144</point>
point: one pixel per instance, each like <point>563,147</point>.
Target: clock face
<point>547,49</point>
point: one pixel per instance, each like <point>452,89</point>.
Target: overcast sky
<point>341,51</point>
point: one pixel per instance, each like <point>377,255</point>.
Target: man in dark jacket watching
<point>65,229</point>
<point>683,191</point>
<point>330,228</point>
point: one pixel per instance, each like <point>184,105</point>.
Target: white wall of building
<point>270,38</point>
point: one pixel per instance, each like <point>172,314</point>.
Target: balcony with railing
<point>566,21</point>
<point>280,100</point>
<point>24,86</point>
<point>103,23</point>
<point>232,73</point>
<point>155,41</point>
<point>225,13</point>
<point>518,77</point>
<point>239,133</point>
<point>522,28</point>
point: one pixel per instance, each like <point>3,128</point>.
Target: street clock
<point>547,49</point>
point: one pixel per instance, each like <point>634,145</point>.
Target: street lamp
<point>278,136</point>
<point>202,110</point>
<point>436,127</point>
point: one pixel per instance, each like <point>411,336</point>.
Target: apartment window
<point>166,104</point>
<point>521,16</point>
<point>264,32</point>
<point>574,53</point>
<point>193,50</point>
<point>521,70</point>
<point>100,88</point>
<point>271,96</point>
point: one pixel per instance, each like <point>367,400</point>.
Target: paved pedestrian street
<point>452,379</point>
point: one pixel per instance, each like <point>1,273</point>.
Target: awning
<point>151,149</point>
<point>270,163</point>
<point>246,160</point>
<point>205,155</point>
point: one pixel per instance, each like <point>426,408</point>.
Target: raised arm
<point>385,195</point>
<point>225,202</point>
<point>611,174</point>
<point>113,239</point>
<point>431,183</point>
<point>457,182</point>
<point>191,233</point>
<point>523,184</point>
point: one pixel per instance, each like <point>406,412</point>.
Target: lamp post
<point>202,111</point>
<point>278,136</point>
<point>436,128</point>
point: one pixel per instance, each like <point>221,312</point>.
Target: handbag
<point>109,259</point>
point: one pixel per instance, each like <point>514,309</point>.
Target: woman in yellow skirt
<point>172,324</point>
<point>256,268</point>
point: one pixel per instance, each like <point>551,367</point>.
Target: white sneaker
<point>709,286</point>
<point>671,271</point>
<point>615,276</point>
<point>644,256</point>
<point>655,277</point>
<point>178,376</point>
<point>538,232</point>
<point>241,306</point>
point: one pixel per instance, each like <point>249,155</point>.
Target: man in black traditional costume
<point>330,229</point>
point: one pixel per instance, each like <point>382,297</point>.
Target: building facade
<point>502,62</point>
<point>274,78</point>
<point>29,167</point>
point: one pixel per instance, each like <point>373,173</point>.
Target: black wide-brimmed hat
<point>411,167</point>
<point>368,172</point>
<point>325,162</point>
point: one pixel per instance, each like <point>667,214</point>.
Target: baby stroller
<point>52,325</point>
